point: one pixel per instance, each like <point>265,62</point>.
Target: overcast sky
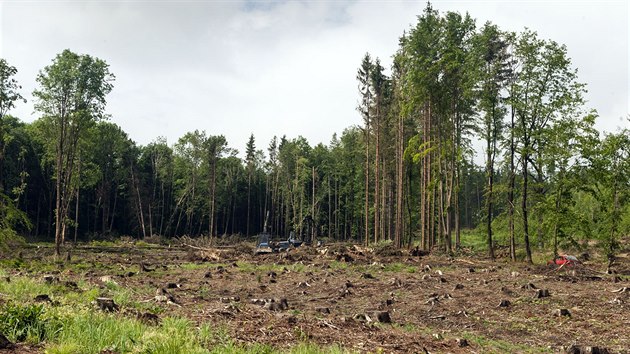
<point>276,68</point>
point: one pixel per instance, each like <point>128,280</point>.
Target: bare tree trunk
<point>249,197</point>
<point>377,204</point>
<point>511,190</point>
<point>113,213</point>
<point>489,210</point>
<point>137,190</point>
<point>528,250</point>
<point>367,183</point>
<point>58,187</point>
<point>76,214</point>
<point>398,232</point>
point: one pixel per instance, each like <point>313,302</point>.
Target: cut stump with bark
<point>107,304</point>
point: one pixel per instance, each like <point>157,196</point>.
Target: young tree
<point>214,147</point>
<point>609,173</point>
<point>493,58</point>
<point>10,215</point>
<point>71,96</point>
<point>365,106</point>
<point>545,89</point>
<point>9,95</point>
<point>250,161</point>
<point>380,88</point>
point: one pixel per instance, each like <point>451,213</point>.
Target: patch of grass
<point>91,332</point>
<point>103,243</point>
<point>474,239</point>
<point>499,346</point>
<point>407,327</point>
<point>338,265</point>
<point>13,263</point>
<point>86,331</point>
<point>309,348</point>
<point>247,267</point>
<point>81,297</point>
<point>195,266</point>
<point>23,289</point>
<point>27,323</point>
<point>399,268</point>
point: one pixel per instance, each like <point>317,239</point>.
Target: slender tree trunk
<point>615,214</point>
<point>377,185</point>
<point>489,210</point>
<point>213,184</point>
<point>113,213</point>
<point>398,232</point>
<point>367,183</point>
<point>140,211</point>
<point>557,218</point>
<point>249,197</point>
<point>511,190</point>
<point>2,153</point>
<point>524,206</point>
<point>76,215</point>
<point>490,150</point>
<point>59,187</point>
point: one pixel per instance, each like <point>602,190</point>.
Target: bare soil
<point>370,301</point>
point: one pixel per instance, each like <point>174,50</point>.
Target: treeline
<point>405,174</point>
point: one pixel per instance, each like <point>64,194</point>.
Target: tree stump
<point>505,303</point>
<point>383,317</point>
<point>107,304</point>
<point>540,293</point>
<point>462,342</point>
<point>561,313</point>
<point>5,343</point>
<point>42,298</point>
<point>324,310</point>
<point>149,318</point>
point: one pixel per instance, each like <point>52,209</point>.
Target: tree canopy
<point>407,171</point>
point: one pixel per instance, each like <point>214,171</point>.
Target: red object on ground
<point>564,260</point>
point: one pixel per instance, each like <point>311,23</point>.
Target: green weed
<point>27,323</point>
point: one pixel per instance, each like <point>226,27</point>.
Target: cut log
<point>576,349</point>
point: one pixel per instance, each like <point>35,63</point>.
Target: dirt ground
<point>367,301</point>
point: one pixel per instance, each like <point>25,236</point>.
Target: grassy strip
<point>72,325</point>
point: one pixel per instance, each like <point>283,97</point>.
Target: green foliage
<point>27,323</point>
<point>451,80</point>
<point>10,218</point>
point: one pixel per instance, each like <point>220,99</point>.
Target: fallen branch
<point>328,324</point>
<point>199,248</point>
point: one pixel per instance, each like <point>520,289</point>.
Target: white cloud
<point>236,68</point>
